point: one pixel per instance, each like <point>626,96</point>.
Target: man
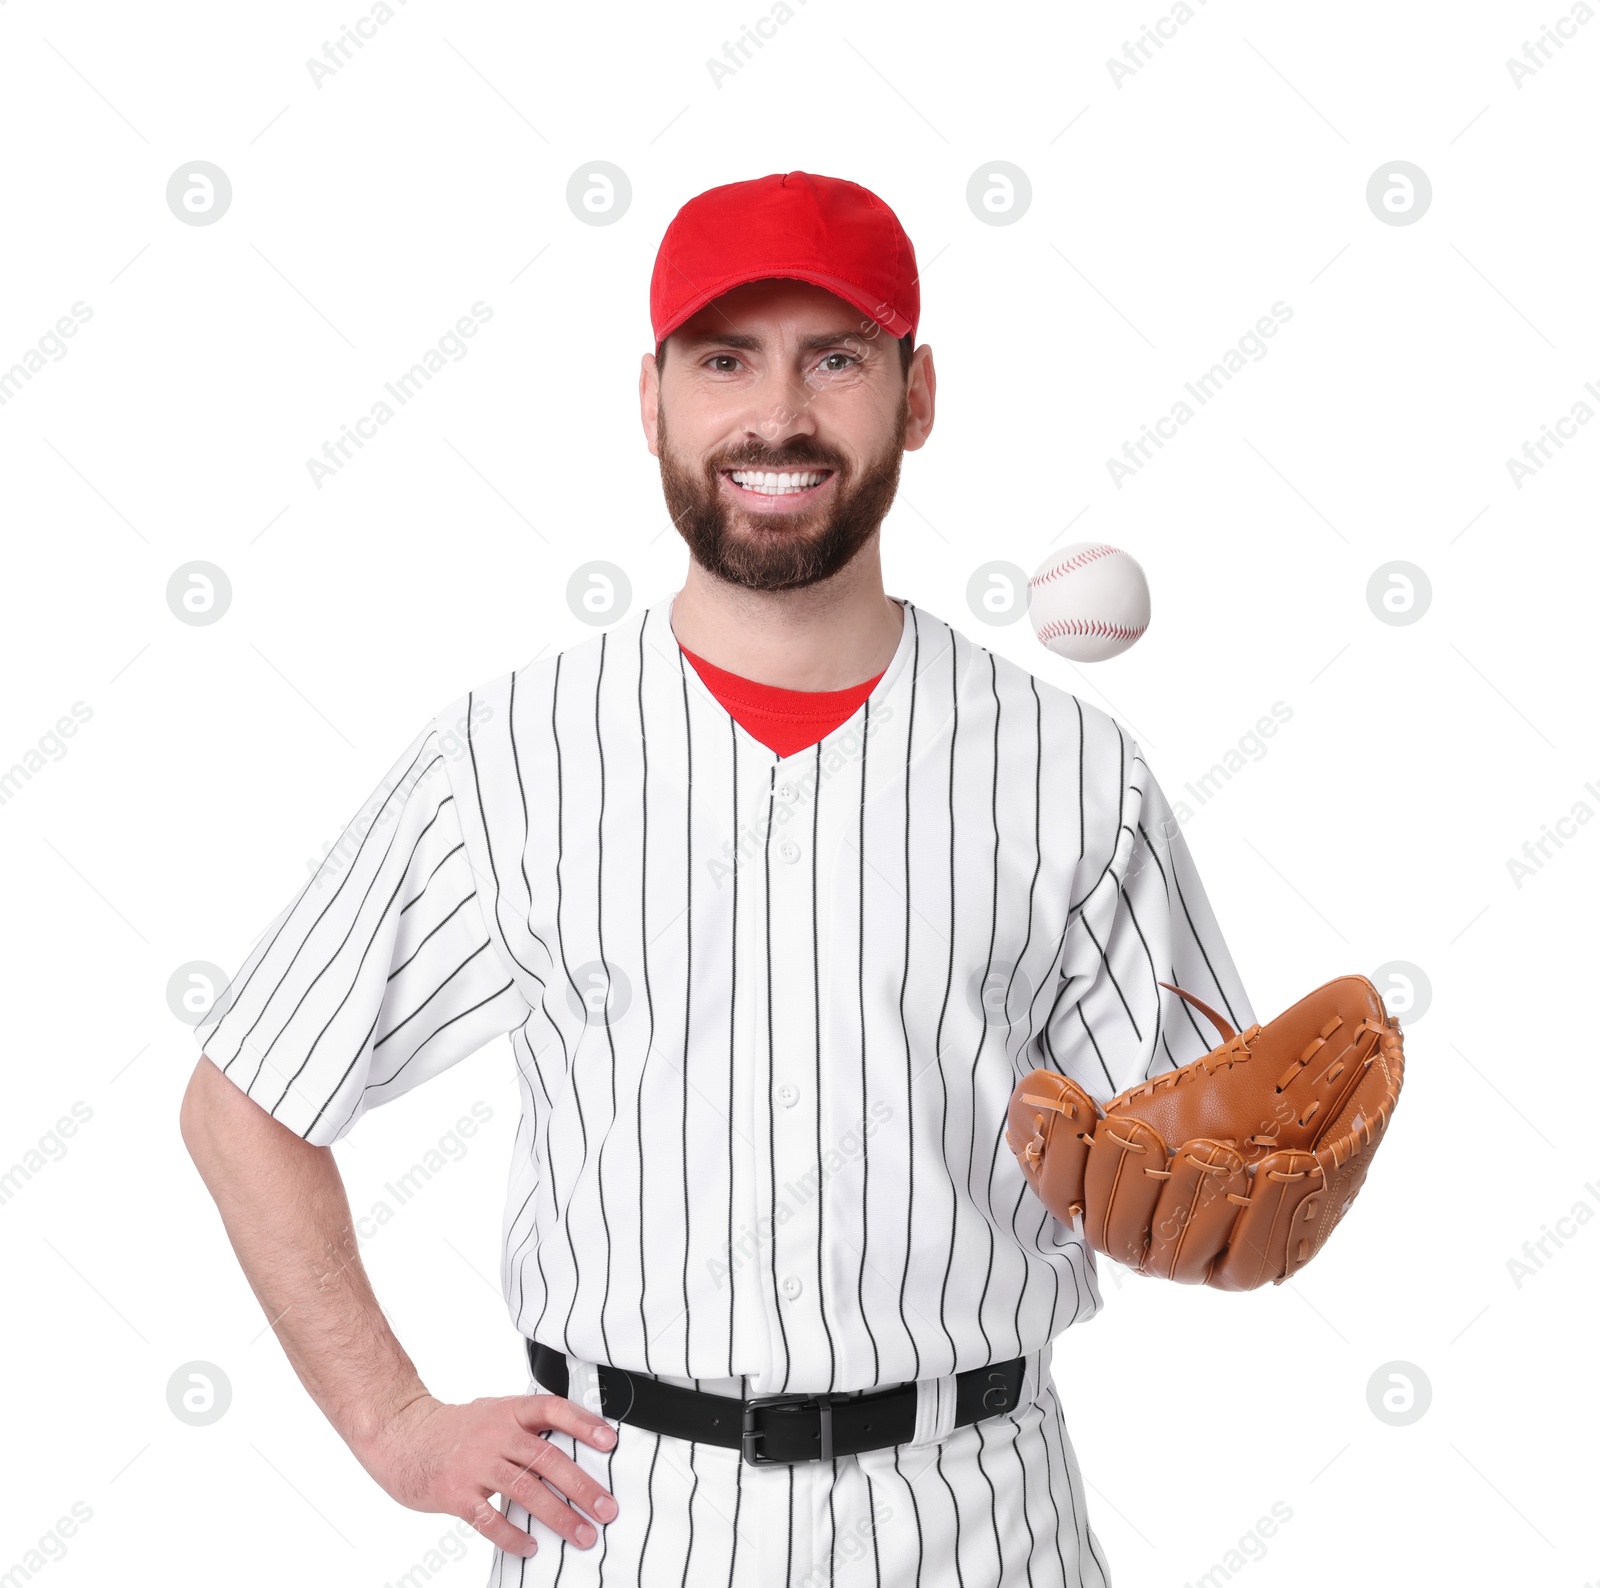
<point>778,886</point>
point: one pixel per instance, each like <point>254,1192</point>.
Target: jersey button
<point>791,1286</point>
<point>788,1095</point>
<point>790,850</point>
<point>786,792</point>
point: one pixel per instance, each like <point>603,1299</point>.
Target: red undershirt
<point>785,720</point>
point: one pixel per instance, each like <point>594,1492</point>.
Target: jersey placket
<point>786,1104</point>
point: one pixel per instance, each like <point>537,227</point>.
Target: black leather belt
<point>801,1426</point>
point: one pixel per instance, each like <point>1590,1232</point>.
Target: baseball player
<point>777,885</point>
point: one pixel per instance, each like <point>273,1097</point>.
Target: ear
<point>649,399</point>
<point>920,385</point>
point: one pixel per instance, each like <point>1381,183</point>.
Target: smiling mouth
<point>774,485</point>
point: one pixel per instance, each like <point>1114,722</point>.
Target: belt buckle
<point>750,1435</point>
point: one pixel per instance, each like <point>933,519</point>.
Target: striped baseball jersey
<point>766,1011</point>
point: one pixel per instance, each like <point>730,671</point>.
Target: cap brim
<point>876,312</point>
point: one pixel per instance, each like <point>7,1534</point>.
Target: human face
<point>780,378</point>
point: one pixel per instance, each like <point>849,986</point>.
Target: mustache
<point>751,457</point>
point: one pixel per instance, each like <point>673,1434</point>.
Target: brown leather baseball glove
<point>1233,1170</point>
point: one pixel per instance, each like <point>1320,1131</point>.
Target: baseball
<point>1088,601</point>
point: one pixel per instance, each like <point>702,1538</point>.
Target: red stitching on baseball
<point>1115,631</point>
<point>1078,560</point>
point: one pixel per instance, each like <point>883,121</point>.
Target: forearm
<point>284,1206</point>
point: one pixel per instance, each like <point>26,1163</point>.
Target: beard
<point>778,551</point>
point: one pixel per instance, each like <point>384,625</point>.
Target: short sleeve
<point>378,975</point>
<point>1142,918</point>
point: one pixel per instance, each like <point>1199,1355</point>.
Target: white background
<point>1169,212</point>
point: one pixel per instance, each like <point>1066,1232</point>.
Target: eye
<point>829,368</point>
<point>723,363</point>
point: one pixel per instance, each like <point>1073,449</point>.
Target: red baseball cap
<point>821,229</point>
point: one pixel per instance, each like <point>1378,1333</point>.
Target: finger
<point>539,1412</point>
<point>528,1489</point>
<point>541,1456</point>
<point>484,1518</point>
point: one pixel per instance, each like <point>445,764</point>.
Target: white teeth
<point>769,484</point>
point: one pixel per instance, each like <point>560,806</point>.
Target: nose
<point>780,408</point>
